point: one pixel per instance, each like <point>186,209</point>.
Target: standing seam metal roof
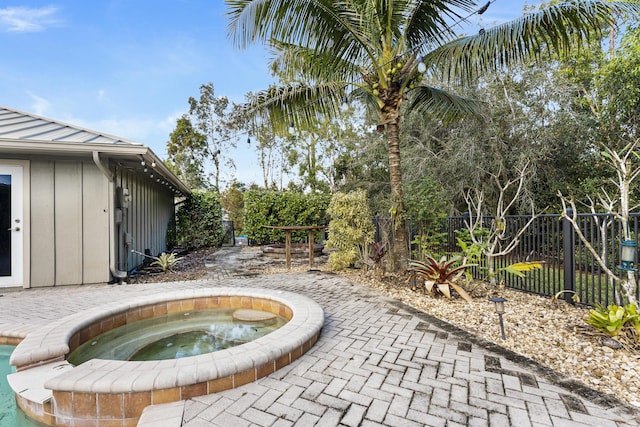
<point>18,125</point>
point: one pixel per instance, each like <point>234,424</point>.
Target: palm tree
<point>385,52</point>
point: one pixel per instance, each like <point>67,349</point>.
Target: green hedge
<point>199,221</point>
<point>268,207</point>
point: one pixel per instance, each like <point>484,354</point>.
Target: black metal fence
<point>569,268</point>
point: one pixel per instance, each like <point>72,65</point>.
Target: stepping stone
<point>247,315</point>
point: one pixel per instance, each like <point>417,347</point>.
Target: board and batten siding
<point>69,223</point>
<point>151,209</point>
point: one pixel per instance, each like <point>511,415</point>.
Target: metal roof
<point>22,132</point>
<point>18,125</point>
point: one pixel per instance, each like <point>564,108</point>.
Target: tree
<point>210,115</point>
<point>610,96</point>
<point>526,116</point>
<point>499,240</point>
<point>232,201</point>
<point>627,169</point>
<point>186,149</point>
<point>316,150</point>
<point>267,144</point>
<point>373,51</point>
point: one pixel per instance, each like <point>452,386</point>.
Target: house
<point>76,203</point>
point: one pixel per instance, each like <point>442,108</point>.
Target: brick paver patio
<point>378,362</point>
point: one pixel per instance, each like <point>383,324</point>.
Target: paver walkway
<point>378,362</point>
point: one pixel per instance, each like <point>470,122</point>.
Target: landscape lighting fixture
<point>499,306</point>
<point>292,129</point>
<point>628,255</point>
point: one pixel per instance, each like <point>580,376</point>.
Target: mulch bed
<point>190,267</point>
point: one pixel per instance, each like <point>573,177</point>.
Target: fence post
<point>569,257</point>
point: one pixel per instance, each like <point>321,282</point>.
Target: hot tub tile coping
<point>226,362</point>
<point>52,340</point>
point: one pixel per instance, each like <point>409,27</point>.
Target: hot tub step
<point>165,415</point>
<point>29,384</point>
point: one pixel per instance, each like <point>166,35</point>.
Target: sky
<point>128,67</point>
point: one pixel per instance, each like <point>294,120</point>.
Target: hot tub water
<point>174,336</point>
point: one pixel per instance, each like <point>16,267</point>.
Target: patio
<point>378,362</point>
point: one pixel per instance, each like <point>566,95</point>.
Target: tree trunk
<point>216,163</point>
<point>399,245</point>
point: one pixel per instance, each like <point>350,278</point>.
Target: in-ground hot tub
<point>103,392</point>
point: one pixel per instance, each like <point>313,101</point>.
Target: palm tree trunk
<point>399,245</point>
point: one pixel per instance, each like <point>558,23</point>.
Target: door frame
<point>26,221</point>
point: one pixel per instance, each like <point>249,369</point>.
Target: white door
<point>11,225</point>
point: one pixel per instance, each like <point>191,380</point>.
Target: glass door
<point>11,234</point>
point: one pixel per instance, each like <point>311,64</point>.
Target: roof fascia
<point>109,150</point>
<point>21,146</point>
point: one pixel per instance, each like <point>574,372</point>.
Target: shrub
<point>268,207</point>
<point>199,221</point>
<point>350,230</point>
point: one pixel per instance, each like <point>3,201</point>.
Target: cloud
<point>40,105</point>
<point>27,20</point>
<point>168,124</point>
<point>144,130</point>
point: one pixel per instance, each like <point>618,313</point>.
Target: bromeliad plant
<point>612,319</point>
<point>166,261</point>
<point>609,320</point>
<point>437,276</point>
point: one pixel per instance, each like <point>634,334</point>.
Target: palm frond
<point>442,104</point>
<point>428,23</point>
<point>297,103</point>
<point>320,25</point>
<point>549,32</point>
<point>292,62</point>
